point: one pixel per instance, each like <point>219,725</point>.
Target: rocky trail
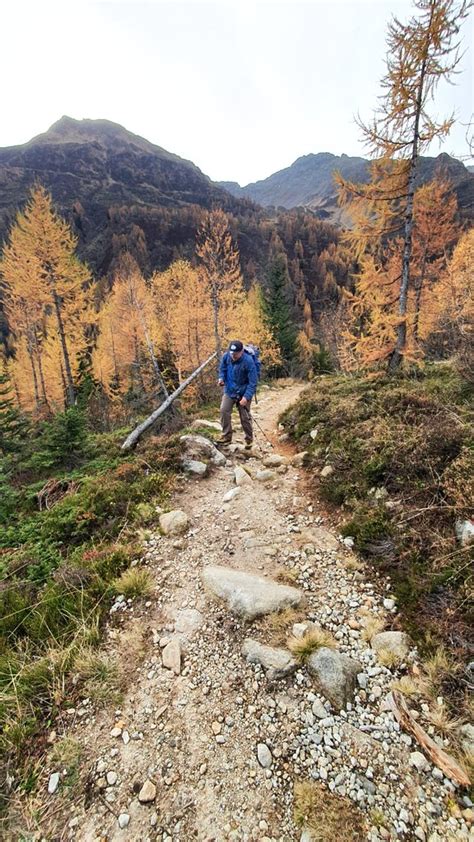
<point>220,719</point>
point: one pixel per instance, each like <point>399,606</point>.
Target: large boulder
<point>395,642</point>
<point>335,674</point>
<point>200,448</point>
<point>247,595</point>
<point>277,663</point>
<point>174,523</point>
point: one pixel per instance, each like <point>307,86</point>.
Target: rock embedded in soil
<point>274,460</point>
<point>335,674</point>
<point>123,820</point>
<point>147,793</point>
<point>188,621</point>
<point>278,663</point>
<point>174,523</point>
<point>299,459</point>
<point>194,467</point>
<point>241,477</point>
<point>264,756</point>
<point>266,475</point>
<point>247,595</point>
<point>398,643</point>
<point>199,448</point>
<point>234,492</point>
<point>171,656</point>
<point>53,783</point>
<point>327,471</point>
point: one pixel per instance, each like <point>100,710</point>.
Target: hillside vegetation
<point>399,464</point>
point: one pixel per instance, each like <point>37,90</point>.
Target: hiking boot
<point>222,442</point>
<point>248,445</point>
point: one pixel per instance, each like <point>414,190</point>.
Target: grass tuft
<point>328,817</point>
<point>388,658</point>
<point>303,647</point>
<point>371,626</point>
<point>134,583</point>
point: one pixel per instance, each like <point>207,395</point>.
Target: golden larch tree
<point>420,54</point>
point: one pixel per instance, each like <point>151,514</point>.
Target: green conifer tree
<point>278,312</point>
<point>13,425</point>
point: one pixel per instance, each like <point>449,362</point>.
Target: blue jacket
<point>240,377</point>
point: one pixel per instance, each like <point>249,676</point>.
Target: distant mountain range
<point>309,182</point>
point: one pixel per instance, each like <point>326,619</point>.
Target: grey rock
<point>274,460</point>
<point>396,642</point>
<point>171,656</point>
<point>194,467</point>
<point>202,422</point>
<point>264,756</point>
<point>198,447</point>
<point>188,621</point>
<point>466,737</point>
<point>112,778</point>
<point>266,475</point>
<point>319,710</point>
<point>247,595</point>
<point>419,761</point>
<point>174,523</point>
<point>336,675</point>
<point>53,783</point>
<point>234,492</point>
<point>327,471</point>
<point>123,820</point>
<point>147,792</point>
<point>299,459</point>
<point>241,476</point>
<point>465,532</point>
<point>278,663</point>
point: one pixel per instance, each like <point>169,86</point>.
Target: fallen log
<point>437,755</point>
<point>132,439</point>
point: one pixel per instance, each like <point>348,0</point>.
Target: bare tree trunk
<point>35,377</point>
<point>215,307</point>
<point>132,439</point>
<point>70,393</point>
<point>418,291</point>
<point>397,354</point>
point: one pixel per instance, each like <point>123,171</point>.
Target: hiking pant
<point>227,405</point>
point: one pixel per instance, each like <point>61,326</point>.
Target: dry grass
<point>388,658</point>
<point>286,575</point>
<point>409,686</point>
<point>134,583</point>
<point>352,563</point>
<point>98,676</point>
<point>276,626</point>
<point>328,817</point>
<point>303,647</point>
<point>371,626</point>
<point>442,721</point>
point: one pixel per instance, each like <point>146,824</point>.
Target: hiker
<point>238,373</point>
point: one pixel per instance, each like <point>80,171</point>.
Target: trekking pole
<point>262,431</point>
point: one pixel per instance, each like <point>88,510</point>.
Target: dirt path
<point>193,736</point>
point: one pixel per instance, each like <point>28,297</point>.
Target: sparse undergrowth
<point>63,556</point>
<point>327,817</point>
<point>401,450</point>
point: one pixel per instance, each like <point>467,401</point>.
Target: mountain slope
<point>117,189</point>
<point>309,182</point>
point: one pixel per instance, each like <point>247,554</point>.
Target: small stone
<point>419,761</point>
<point>171,656</point>
<point>319,710</point>
<point>173,523</point>
<point>53,783</point>
<point>216,728</point>
<point>241,477</point>
<point>327,471</point>
<point>115,732</point>
<point>147,792</point>
<point>123,820</point>
<point>264,756</point>
<point>234,492</point>
<point>112,778</point>
<point>389,604</point>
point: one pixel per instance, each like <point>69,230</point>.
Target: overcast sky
<point>242,89</point>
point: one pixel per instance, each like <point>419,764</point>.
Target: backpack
<point>255,354</point>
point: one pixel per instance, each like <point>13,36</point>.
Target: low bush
<point>401,449</point>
